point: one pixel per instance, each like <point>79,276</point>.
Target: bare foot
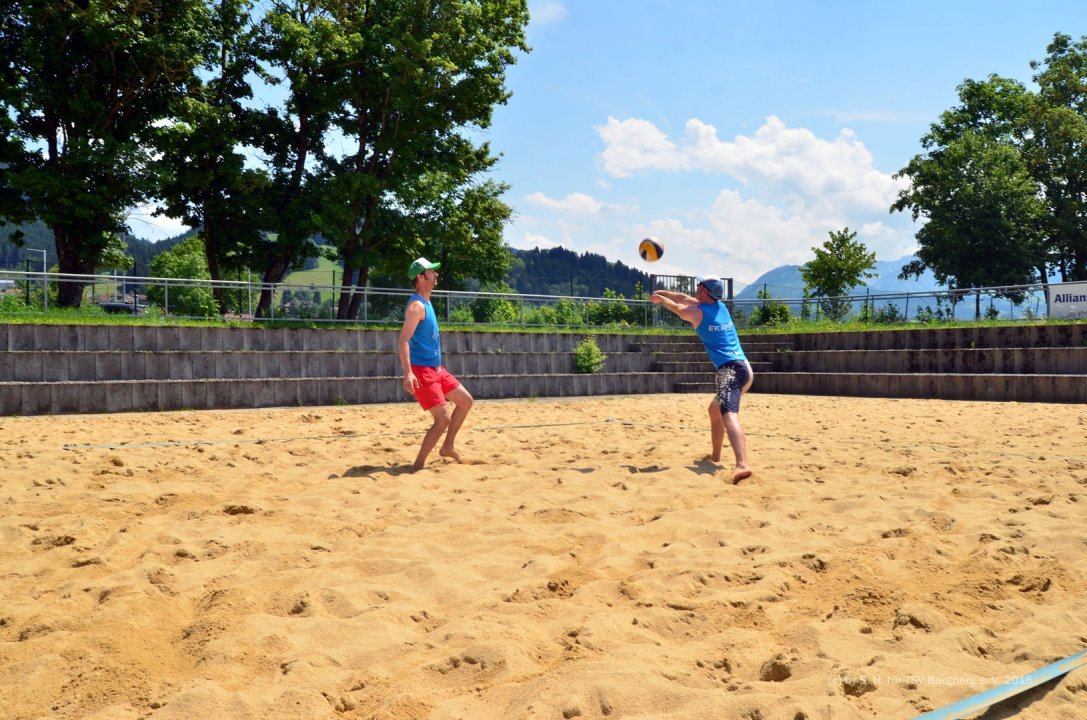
<point>451,454</point>
<point>742,473</point>
<point>417,466</point>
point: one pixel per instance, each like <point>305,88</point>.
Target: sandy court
<point>887,558</point>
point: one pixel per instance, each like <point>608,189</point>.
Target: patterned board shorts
<point>730,381</point>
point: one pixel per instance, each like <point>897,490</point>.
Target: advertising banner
<point>1068,300</point>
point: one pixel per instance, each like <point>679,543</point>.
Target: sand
<point>887,558</point>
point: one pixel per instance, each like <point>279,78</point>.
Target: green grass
<point>90,314</point>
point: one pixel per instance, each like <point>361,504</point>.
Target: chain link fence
<point>315,299</point>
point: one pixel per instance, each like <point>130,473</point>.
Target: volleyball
<point>650,250</point>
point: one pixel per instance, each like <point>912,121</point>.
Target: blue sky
<point>737,133</point>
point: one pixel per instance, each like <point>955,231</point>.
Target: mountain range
<point>785,281</point>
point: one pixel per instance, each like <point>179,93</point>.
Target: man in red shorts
<point>420,347</point>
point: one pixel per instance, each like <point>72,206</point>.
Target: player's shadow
<point>704,467</point>
<point>372,470</point>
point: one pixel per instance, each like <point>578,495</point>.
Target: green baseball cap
<point>420,265</point>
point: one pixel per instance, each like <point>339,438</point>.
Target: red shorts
<point>434,384</point>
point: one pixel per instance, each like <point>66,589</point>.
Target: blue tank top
<point>718,334</point>
<point>426,345</point>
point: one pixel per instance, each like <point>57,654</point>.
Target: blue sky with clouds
<point>737,133</point>
<point>741,133</point>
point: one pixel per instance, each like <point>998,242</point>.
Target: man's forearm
<point>405,357</point>
<point>671,305</point>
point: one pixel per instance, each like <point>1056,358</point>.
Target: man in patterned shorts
<point>713,323</point>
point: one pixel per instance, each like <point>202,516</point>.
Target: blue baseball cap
<point>713,284</point>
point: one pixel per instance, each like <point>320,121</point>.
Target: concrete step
<point>1045,361</point>
<point>42,398</point>
<point>704,366</point>
<point>257,338</point>
<point>695,347</point>
<point>1026,335</point>
<point>63,366</point>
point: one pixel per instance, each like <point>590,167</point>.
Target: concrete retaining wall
<point>82,369</point>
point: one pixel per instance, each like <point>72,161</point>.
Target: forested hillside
<point>534,272</point>
<point>36,236</point>
<point>558,271</point>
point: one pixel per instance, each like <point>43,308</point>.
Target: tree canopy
<point>1002,181</point>
<point>369,144</point>
<point>840,264</point>
<point>84,84</point>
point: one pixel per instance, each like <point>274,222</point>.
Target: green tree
<point>1015,162</point>
<point>204,178</point>
<point>298,44</point>
<point>184,261</point>
<point>83,84</point>
<point>841,264</point>
<point>983,215</point>
<point>1056,152</point>
<point>416,75</point>
<point>115,255</point>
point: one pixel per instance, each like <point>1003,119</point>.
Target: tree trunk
<point>274,273</point>
<point>69,292</point>
<point>211,253</point>
<point>1079,265</point>
<point>357,295</point>
<point>343,305</point>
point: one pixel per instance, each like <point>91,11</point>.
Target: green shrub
<point>886,315</point>
<point>12,303</point>
<point>613,312</point>
<point>588,357</point>
<point>564,313</point>
<point>461,314</point>
<point>185,260</point>
<point>770,312</point>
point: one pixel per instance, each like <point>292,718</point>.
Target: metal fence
<point>26,292</point>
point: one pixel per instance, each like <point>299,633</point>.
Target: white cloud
<point>632,145</point>
<point>577,203</point>
<point>531,241</point>
<point>548,12</point>
<point>782,190</point>
<point>790,160</point>
<point>145,225</point>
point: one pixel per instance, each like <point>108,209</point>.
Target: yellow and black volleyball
<point>650,250</point>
